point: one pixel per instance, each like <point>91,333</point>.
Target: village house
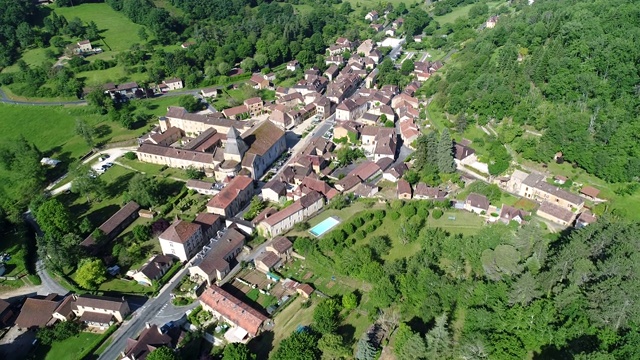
<point>390,32</point>
<point>255,106</point>
<point>395,172</point>
<point>348,183</point>
<point>267,261</point>
<point>173,84</point>
<point>336,60</point>
<point>36,312</point>
<point>371,15</point>
<point>113,226</point>
<point>259,82</point>
<point>424,192</point>
<point>154,269</point>
<point>463,155</point>
<point>286,218</point>
<point>477,203</point>
<point>6,313</point>
<point>403,99</point>
<point>166,138</point>
<point>397,23</point>
<point>281,246</point>
<point>585,218</point>
<point>182,240</point>
<point>590,192</point>
<point>232,198</point>
<point>216,264</point>
<point>232,310</point>
<point>404,190</point>
<point>151,338</point>
<point>237,112</point>
<point>210,92</point>
<point>332,71</point>
<point>366,170</point>
<point>351,109</point>
<point>210,224</point>
<point>274,190</point>
<point>312,183</point>
<point>99,311</point>
<point>377,27</point>
<point>509,213</point>
<point>536,188</point>
<point>293,65</point>
<point>491,22</point>
<point>556,213</point>
<point>84,46</point>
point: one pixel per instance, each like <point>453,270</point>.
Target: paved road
<point>155,311</point>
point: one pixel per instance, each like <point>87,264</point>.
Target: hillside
<point>568,69</point>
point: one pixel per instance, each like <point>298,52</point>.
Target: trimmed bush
<point>408,210</point>
<point>379,214</point>
<point>423,212</point>
<point>360,234</point>
<point>437,214</point>
<point>394,215</point>
<point>349,228</point>
<point>368,216</point>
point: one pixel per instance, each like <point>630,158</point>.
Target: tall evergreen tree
<point>445,153</point>
<point>365,350</point>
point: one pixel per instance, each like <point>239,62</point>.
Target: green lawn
<point>463,11</point>
<point>114,74</point>
<point>70,349</point>
<point>117,31</point>
<point>124,286</point>
<point>33,57</point>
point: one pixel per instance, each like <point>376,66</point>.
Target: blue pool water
<point>324,226</point>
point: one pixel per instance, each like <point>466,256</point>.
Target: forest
<point>567,68</point>
<point>507,292</point>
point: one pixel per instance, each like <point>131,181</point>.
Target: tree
<point>99,99</point>
<point>325,316</point>
<point>413,348</point>
<point>461,123</point>
<point>347,155</point>
<point>256,206</point>
<point>190,103</point>
<point>365,349</point>
<point>163,353</point>
<point>333,347</point>
<point>301,345</point>
<point>193,173</point>
<point>141,233</point>
<point>54,218</point>
<point>25,34</point>
<point>224,68</point>
<point>144,190</point>
<point>446,163</point>
<point>142,34</point>
<point>438,339</point>
<point>91,273</point>
<point>85,225</point>
<point>407,67</point>
<point>92,31</point>
<point>349,301</point>
<point>237,351</point>
<point>130,155</point>
<point>248,64</point>
<point>86,182</point>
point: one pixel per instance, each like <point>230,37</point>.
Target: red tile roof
<point>590,191</point>
<point>404,187</point>
<point>233,309</point>
<point>36,313</point>
<point>281,244</point>
<point>227,195</point>
<point>180,231</point>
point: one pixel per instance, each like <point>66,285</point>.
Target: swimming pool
<point>324,226</point>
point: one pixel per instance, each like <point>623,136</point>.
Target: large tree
<point>91,273</point>
<point>54,218</point>
<point>237,351</point>
<point>163,353</point>
<point>301,345</point>
<point>325,316</point>
<point>446,164</point>
<point>144,190</point>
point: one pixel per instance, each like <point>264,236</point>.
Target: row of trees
<point>433,156</point>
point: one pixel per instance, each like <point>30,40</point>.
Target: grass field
<point>69,349</point>
<point>117,31</point>
<point>463,11</point>
<point>115,74</point>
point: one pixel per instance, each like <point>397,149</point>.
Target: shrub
<point>423,212</point>
<point>368,216</point>
<point>360,234</point>
<point>394,215</point>
<point>301,226</point>
<point>358,221</point>
<point>340,236</point>
<point>408,210</point>
<point>350,228</point>
<point>130,155</point>
<point>379,214</point>
<point>437,214</point>
<point>397,204</point>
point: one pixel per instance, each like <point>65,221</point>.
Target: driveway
<point>113,155</point>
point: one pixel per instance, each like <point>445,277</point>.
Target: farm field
<point>463,11</point>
